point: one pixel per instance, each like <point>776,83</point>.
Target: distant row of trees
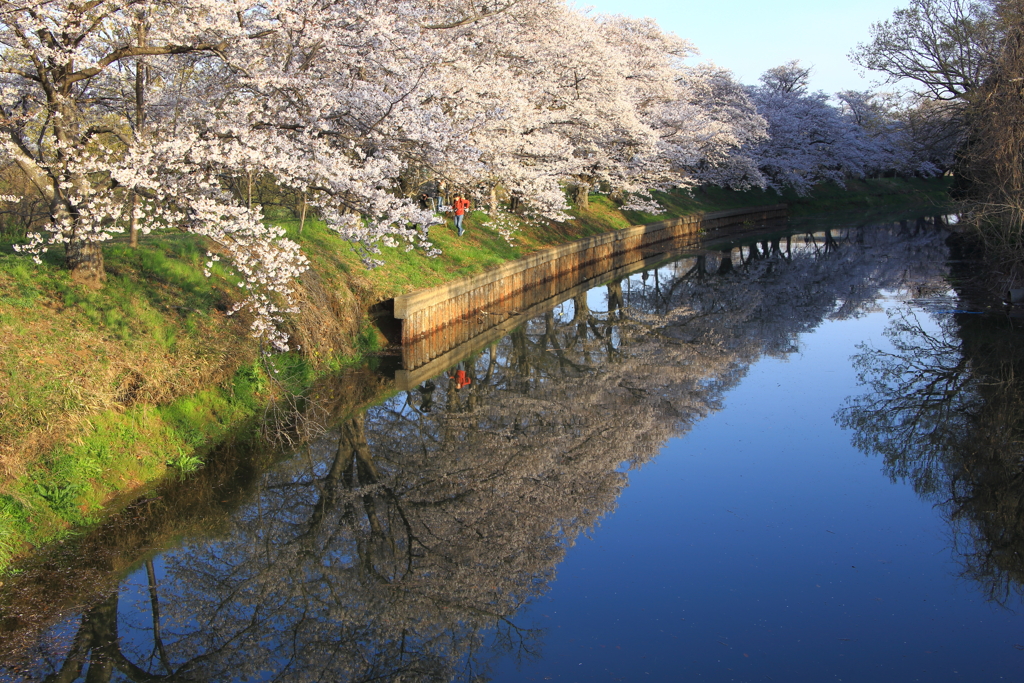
<point>813,138</point>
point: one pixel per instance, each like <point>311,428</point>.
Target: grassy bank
<point>104,392</point>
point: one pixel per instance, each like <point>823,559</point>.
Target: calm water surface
<point>789,462</point>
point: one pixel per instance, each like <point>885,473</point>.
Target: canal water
<point>796,459</point>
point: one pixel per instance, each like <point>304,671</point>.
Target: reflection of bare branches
<point>154,600</point>
<point>946,411</point>
<point>292,420</point>
<point>522,644</point>
<point>921,393</point>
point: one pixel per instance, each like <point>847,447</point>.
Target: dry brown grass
<point>61,368</point>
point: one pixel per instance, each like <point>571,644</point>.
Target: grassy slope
<point>101,392</point>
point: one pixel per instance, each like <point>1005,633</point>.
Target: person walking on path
<point>460,206</point>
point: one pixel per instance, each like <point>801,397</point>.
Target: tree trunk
<point>492,362</point>
<point>96,646</point>
<point>140,123</point>
<point>85,261</point>
<point>154,608</point>
<point>615,298</point>
<point>581,195</point>
<point>581,309</point>
<point>133,226</point>
<point>830,242</point>
<point>580,316</point>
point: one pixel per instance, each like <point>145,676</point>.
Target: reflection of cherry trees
<point>945,409</point>
<point>775,289</point>
<point>402,547</point>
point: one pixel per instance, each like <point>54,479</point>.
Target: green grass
<point>185,463</point>
<point>99,389</point>
<point>69,350</point>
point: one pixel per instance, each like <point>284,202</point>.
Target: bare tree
<point>944,410</point>
<point>945,46</point>
<point>990,165</point>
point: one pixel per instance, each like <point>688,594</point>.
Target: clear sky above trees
<point>750,36</point>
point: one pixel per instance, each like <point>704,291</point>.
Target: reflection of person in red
<point>462,379</point>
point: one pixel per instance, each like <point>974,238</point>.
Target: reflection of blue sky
<point>564,311</point>
<point>597,300</point>
<point>749,37</point>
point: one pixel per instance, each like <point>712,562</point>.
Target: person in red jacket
<point>460,206</point>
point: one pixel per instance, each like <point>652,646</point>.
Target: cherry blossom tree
<point>155,115</point>
<point>809,140</point>
<point>589,101</point>
<point>317,95</point>
<point>906,135</point>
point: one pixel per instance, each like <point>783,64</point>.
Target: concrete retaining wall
<point>433,310</point>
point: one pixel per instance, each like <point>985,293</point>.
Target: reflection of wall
<point>431,354</point>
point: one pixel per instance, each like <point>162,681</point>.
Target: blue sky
<point>748,37</point>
